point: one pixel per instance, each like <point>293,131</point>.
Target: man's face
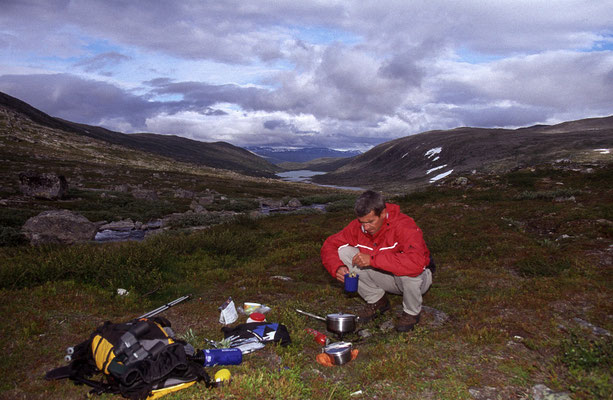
<point>372,222</point>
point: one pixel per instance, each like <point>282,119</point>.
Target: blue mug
<point>351,282</point>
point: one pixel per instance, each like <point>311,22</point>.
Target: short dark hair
<point>369,201</point>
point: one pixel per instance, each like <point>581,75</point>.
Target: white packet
<point>228,312</point>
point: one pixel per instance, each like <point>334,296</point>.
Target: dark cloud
<point>197,95</point>
<point>275,124</point>
<point>76,99</point>
<point>102,61</point>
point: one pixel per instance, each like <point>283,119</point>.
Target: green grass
<point>511,289</point>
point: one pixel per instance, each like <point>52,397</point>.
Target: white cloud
<point>336,73</point>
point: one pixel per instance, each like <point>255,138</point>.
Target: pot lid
<point>340,315</point>
<point>337,347</point>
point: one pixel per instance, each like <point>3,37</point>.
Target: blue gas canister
<point>214,357</point>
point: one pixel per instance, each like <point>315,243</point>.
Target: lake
<point>305,175</point>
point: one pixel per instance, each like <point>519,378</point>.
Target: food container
<point>339,351</point>
<point>256,317</point>
<point>251,307</point>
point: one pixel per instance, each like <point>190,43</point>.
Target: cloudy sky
<point>338,74</point>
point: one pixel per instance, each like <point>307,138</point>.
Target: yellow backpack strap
<point>102,351</point>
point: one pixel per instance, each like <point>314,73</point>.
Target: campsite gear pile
<point>139,359</point>
<point>142,358</point>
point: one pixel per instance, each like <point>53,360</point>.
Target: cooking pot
<point>340,352</point>
<point>338,323</point>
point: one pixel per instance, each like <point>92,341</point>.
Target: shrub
<point>326,198</point>
<point>195,219</point>
<point>545,194</point>
<point>11,236</point>
<point>587,354</point>
<point>589,363</point>
<point>341,205</point>
<point>539,266</point>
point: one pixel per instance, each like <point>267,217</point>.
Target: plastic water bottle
<point>229,356</point>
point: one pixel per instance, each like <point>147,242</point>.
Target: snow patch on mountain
<point>435,168</point>
<point>434,151</point>
<point>440,176</point>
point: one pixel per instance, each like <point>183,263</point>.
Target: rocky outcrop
<point>123,225</point>
<point>145,194</point>
<point>59,226</point>
<point>48,186</point>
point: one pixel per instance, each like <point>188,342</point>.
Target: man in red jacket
<point>387,249</point>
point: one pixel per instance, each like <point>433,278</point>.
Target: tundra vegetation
<point>524,277</point>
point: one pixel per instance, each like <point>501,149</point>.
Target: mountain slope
<point>427,157</point>
<point>217,155</point>
<point>299,155</point>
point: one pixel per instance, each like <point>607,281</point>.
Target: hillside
<point>427,157</point>
<point>219,155</point>
<point>325,164</point>
<point>520,304</point>
<point>279,156</point>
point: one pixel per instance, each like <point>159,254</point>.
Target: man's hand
<point>340,273</point>
<point>361,260</point>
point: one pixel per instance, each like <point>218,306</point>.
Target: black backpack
<point>140,359</point>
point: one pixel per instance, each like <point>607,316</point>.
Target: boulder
<point>294,203</point>
<point>145,194</point>
<point>271,203</point>
<point>59,226</point>
<point>123,225</point>
<point>48,186</point>
<point>184,194</point>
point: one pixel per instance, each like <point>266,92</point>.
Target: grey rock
<point>48,186</point>
<point>387,325</point>
<point>440,317</point>
<point>484,393</point>
<point>595,329</point>
<point>155,224</point>
<point>271,203</point>
<point>294,203</point>
<point>542,392</point>
<point>124,188</point>
<point>123,225</point>
<point>462,181</point>
<point>145,194</point>
<point>184,194</point>
<point>59,226</point>
<point>364,333</point>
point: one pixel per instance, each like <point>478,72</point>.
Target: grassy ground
<point>524,265</point>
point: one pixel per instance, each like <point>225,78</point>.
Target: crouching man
<point>387,249</point>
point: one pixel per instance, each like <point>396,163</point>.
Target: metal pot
<point>338,323</point>
<point>340,352</point>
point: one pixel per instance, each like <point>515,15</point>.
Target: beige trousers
<point>374,283</point>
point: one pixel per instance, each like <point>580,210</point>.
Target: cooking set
<point>340,324</point>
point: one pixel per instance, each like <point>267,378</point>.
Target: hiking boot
<point>372,310</point>
<point>407,322</point>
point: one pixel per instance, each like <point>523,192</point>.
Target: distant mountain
<point>217,155</point>
<point>325,164</point>
<point>299,155</point>
<point>428,157</point>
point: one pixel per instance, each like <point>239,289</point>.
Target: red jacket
<point>398,246</point>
